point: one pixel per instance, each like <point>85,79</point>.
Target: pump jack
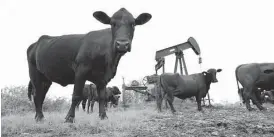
<point>178,51</point>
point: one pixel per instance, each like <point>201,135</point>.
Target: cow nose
<point>122,45</point>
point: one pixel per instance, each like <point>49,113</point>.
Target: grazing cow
<point>89,92</point>
<point>185,86</point>
<point>77,58</point>
<point>268,96</point>
<point>115,102</point>
<point>111,96</point>
<point>253,76</point>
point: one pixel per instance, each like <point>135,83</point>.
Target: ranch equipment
<point>135,86</point>
<point>178,51</point>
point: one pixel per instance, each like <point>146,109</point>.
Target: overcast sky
<point>228,32</point>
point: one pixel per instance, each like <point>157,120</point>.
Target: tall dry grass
<point>14,100</point>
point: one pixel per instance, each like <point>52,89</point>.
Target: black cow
<point>89,92</point>
<point>112,96</point>
<point>253,76</point>
<point>77,58</point>
<point>185,86</point>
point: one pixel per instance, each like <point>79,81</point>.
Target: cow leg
<point>40,88</point>
<point>39,99</point>
<point>92,105</point>
<point>106,105</point>
<point>77,95</point>
<point>101,90</point>
<point>258,96</point>
<point>89,100</point>
<point>159,99</point>
<point>199,102</point>
<point>77,106</point>
<point>170,99</point>
<point>88,106</point>
<point>247,96</point>
<point>84,104</point>
<point>166,105</point>
<point>255,100</point>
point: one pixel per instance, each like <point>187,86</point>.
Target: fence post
<point>123,92</point>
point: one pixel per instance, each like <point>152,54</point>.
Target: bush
<point>14,99</point>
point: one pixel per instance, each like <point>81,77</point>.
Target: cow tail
<point>162,89</point>
<point>30,88</point>
<point>237,81</point>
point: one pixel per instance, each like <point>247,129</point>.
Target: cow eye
<point>132,25</point>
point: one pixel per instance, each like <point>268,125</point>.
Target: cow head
<point>114,100</point>
<point>122,25</point>
<point>115,90</point>
<point>211,75</point>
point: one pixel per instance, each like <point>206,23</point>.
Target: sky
<point>229,33</point>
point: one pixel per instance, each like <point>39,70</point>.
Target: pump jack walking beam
<point>178,51</point>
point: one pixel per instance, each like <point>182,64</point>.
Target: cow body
<point>253,76</point>
<point>75,59</point>
<point>90,95</point>
<point>185,86</point>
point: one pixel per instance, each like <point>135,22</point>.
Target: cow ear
<point>142,18</point>
<point>204,73</point>
<point>219,70</point>
<point>102,17</point>
<point>268,71</point>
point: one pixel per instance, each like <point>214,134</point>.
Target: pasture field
<point>142,120</point>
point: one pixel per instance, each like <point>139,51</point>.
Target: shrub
<point>14,99</point>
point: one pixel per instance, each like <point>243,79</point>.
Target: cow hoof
<point>201,110</point>
<point>103,116</point>
<point>175,113</point>
<point>69,120</point>
<point>251,109</point>
<point>39,117</point>
<point>263,109</point>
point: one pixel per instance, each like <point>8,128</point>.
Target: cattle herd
<point>94,56</point>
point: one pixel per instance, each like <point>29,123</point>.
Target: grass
<point>144,120</point>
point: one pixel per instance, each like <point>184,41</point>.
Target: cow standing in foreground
<point>185,86</point>
<point>253,76</point>
<point>76,58</point>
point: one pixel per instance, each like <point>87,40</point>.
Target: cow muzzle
<point>123,45</point>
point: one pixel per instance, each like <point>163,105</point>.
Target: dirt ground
<point>144,121</point>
